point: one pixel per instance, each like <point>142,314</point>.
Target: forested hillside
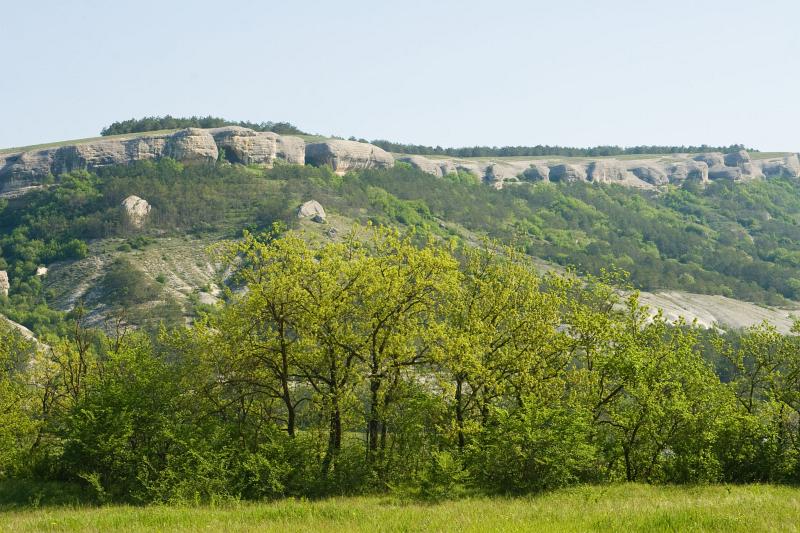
<point>404,342</point>
<point>402,364</point>
<point>735,239</point>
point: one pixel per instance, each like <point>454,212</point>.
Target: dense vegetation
<point>735,239</point>
<point>395,363</point>
<point>168,122</point>
<point>539,150</point>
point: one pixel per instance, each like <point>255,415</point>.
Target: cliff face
<point>241,145</point>
<point>343,156</point>
<point>645,172</point>
<point>23,170</point>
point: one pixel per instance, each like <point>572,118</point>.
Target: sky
<point>449,73</point>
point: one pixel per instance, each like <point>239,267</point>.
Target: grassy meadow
<point>624,507</point>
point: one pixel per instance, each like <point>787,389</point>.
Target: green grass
<point>601,508</point>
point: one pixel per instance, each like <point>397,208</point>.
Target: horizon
<point>453,74</point>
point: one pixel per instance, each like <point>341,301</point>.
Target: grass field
<point>599,508</point>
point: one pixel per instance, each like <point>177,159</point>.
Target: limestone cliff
<point>22,171</point>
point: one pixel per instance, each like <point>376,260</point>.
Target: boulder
<point>536,172</point>
<point>41,271</point>
<point>787,167</point>
<point>688,170</point>
<point>650,173</point>
<point>606,171</point>
<point>712,159</point>
<point>192,144</point>
<point>135,211</point>
<point>245,146</point>
<point>724,173</point>
<point>312,209</point>
<point>343,156</point>
<point>4,284</point>
<point>567,172</point>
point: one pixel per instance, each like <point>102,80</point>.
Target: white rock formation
<point>343,156</point>
<point>135,211</point>
<point>312,209</point>
<point>4,285</point>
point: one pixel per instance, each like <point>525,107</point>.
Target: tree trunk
<point>334,438</point>
<point>374,422</point>
<point>460,413</point>
<point>287,396</point>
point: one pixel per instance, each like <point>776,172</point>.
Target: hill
<point>734,238</point>
<point>227,314</point>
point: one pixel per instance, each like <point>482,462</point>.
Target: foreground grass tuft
<point>629,507</point>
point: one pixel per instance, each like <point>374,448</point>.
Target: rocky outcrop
<point>650,173</point>
<point>712,159</point>
<point>786,167</point>
<point>505,172</point>
<point>312,209</point>
<point>737,159</point>
<point>437,167</point>
<point>241,145</point>
<point>290,149</point>
<point>607,171</point>
<point>724,173</point>
<point>741,160</point>
<point>192,144</point>
<point>4,285</point>
<point>567,172</point>
<point>343,156</point>
<point>536,172</point>
<point>21,172</point>
<point>245,146</point>
<point>135,211</point>
<point>687,170</point>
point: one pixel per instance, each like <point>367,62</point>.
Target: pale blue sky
<point>454,73</point>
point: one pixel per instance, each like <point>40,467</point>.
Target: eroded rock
<point>712,159</point>
<point>424,164</point>
<point>725,173</point>
<point>787,167</point>
<point>650,173</point>
<point>290,149</point>
<point>4,284</point>
<point>567,172</point>
<point>536,172</point>
<point>245,146</point>
<point>192,144</point>
<point>343,156</point>
<point>687,170</point>
<point>607,171</point>
<point>312,209</point>
<point>135,211</point>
